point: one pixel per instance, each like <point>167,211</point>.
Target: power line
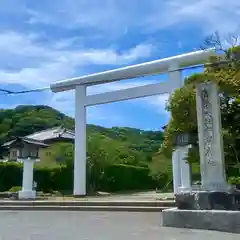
<point>8,92</point>
<point>5,91</point>
<point>31,90</point>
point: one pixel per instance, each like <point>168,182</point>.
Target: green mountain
<point>122,144</point>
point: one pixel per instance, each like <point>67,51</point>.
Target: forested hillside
<point>123,145</point>
<point>118,158</point>
<point>24,120</point>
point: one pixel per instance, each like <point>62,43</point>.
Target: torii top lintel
<point>138,70</point>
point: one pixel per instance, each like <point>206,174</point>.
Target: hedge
<point>115,178</point>
<point>10,175</point>
<point>126,177</point>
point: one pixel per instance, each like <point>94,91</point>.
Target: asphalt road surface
<point>50,225</point>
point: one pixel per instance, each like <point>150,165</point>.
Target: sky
<point>44,41</point>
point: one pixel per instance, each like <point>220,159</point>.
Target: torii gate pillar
<point>79,184</point>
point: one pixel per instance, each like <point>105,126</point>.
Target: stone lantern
<point>183,142</point>
<point>185,138</point>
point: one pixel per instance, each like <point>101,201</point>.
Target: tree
<point>228,76</point>
<point>61,153</point>
<point>182,103</point>
<point>97,159</point>
<point>161,170</point>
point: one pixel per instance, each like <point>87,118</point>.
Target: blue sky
<point>45,41</point>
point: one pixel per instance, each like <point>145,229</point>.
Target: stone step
<point>83,208</point>
<point>90,203</point>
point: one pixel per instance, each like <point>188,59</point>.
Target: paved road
<point>95,226</point>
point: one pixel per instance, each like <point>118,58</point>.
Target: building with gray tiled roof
<point>53,134</point>
<point>32,145</point>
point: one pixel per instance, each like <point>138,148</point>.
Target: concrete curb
<point>83,208</point>
<point>217,220</point>
<point>85,203</point>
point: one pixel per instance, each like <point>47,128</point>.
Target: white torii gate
<point>169,65</point>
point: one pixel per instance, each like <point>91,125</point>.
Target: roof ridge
<point>67,131</point>
<point>29,140</point>
<point>71,131</point>
<point>47,129</point>
<point>32,139</point>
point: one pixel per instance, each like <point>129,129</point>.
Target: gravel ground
<point>50,225</point>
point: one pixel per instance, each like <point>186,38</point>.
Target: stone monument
<point>216,205</point>
<point>210,138</point>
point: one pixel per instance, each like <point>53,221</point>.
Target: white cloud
<point>39,64</point>
<point>116,16</point>
<point>108,16</point>
<point>26,61</point>
<point>100,114</point>
<point>209,15</point>
<point>110,56</point>
<point>158,103</point>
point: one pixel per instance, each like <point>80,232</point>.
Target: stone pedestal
<point>27,182</point>
<point>185,170</point>
<point>181,170</point>
<point>209,201</point>
<point>205,210</point>
<point>210,138</point>
<point>27,194</point>
<point>218,220</point>
<point>176,167</point>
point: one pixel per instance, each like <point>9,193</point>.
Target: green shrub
<point>43,177</point>
<point>10,175</point>
<point>15,189</point>
<point>62,178</point>
<point>234,180</point>
<point>118,177</point>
